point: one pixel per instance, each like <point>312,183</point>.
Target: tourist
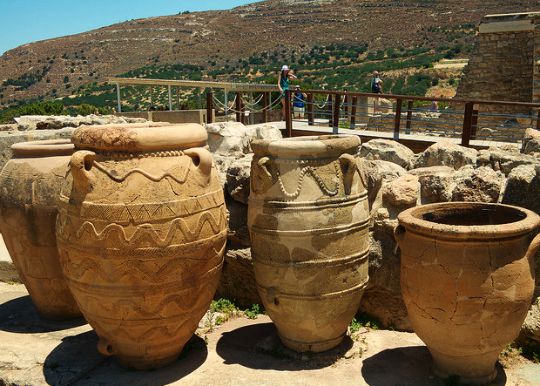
<point>284,81</point>
<point>376,88</point>
<point>299,103</point>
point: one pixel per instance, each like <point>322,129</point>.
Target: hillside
<point>265,33</point>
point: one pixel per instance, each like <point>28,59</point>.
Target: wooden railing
<point>404,115</point>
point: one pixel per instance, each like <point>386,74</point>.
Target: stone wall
<point>501,66</point>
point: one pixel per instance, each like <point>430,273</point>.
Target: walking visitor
<point>284,82</point>
<point>376,88</point>
<point>299,103</point>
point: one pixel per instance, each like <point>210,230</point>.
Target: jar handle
<point>202,158</point>
<point>533,247</point>
<point>80,165</point>
<point>399,233</point>
<point>105,347</point>
<point>349,166</point>
<point>263,165</point>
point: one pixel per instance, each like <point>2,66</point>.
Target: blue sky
<point>25,21</point>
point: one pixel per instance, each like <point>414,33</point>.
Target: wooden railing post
<point>310,109</point>
<point>538,120</point>
<point>209,107</point>
<point>352,126</point>
<point>337,108</point>
<point>397,120</point>
<point>467,124</point>
<point>409,117</point>
<point>288,113</point>
<point>238,107</point>
<point>346,100</point>
<point>266,107</point>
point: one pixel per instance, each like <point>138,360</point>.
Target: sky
<point>25,21</point>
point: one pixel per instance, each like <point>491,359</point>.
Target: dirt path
<point>240,352</point>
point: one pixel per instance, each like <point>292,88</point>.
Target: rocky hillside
<point>56,67</point>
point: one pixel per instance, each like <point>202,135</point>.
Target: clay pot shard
<point>30,184</point>
<point>467,278</point>
<point>308,220</point>
<point>141,232</point>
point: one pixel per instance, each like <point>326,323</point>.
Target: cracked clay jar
<point>308,220</point>
<point>467,278</point>
<point>141,231</point>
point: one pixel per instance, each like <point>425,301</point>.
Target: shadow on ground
<point>408,366</point>
<point>20,316</point>
<point>259,347</point>
<point>77,361</point>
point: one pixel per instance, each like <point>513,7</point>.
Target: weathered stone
<point>387,150</point>
<point>478,185</point>
<point>436,183</point>
<point>238,178</point>
<point>402,192</point>
<point>377,173</point>
<point>523,188</point>
<point>382,298</point>
<point>56,122</point>
<point>237,281</point>
<point>229,138</point>
<point>447,153</point>
<point>531,327</point>
<point>531,141</point>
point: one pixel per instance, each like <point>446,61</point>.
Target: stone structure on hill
<point>504,63</point>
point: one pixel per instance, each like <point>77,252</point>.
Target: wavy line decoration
<point>147,231</point>
<point>137,270</point>
<point>151,177</point>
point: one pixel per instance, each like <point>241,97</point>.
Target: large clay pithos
<point>467,278</point>
<point>308,221</point>
<point>29,187</point>
<point>141,232</point>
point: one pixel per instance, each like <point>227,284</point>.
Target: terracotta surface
<point>467,277</point>
<point>308,220</point>
<point>141,234</point>
<point>29,187</point>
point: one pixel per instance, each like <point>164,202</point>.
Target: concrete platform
<point>240,352</point>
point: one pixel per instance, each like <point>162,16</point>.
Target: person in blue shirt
<point>284,82</point>
<point>299,103</point>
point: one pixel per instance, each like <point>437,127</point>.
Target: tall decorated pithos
<point>308,220</point>
<point>141,232</point>
<point>29,187</point>
<point>467,277</point>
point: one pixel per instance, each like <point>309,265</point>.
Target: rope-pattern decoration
<point>309,170</point>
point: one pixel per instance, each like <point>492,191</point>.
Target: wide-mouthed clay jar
<point>467,278</point>
<point>29,187</point>
<point>308,220</point>
<point>141,231</point>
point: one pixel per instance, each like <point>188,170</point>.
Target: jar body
<point>30,185</point>
<point>308,221</point>
<point>141,239</point>
<point>466,296</point>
